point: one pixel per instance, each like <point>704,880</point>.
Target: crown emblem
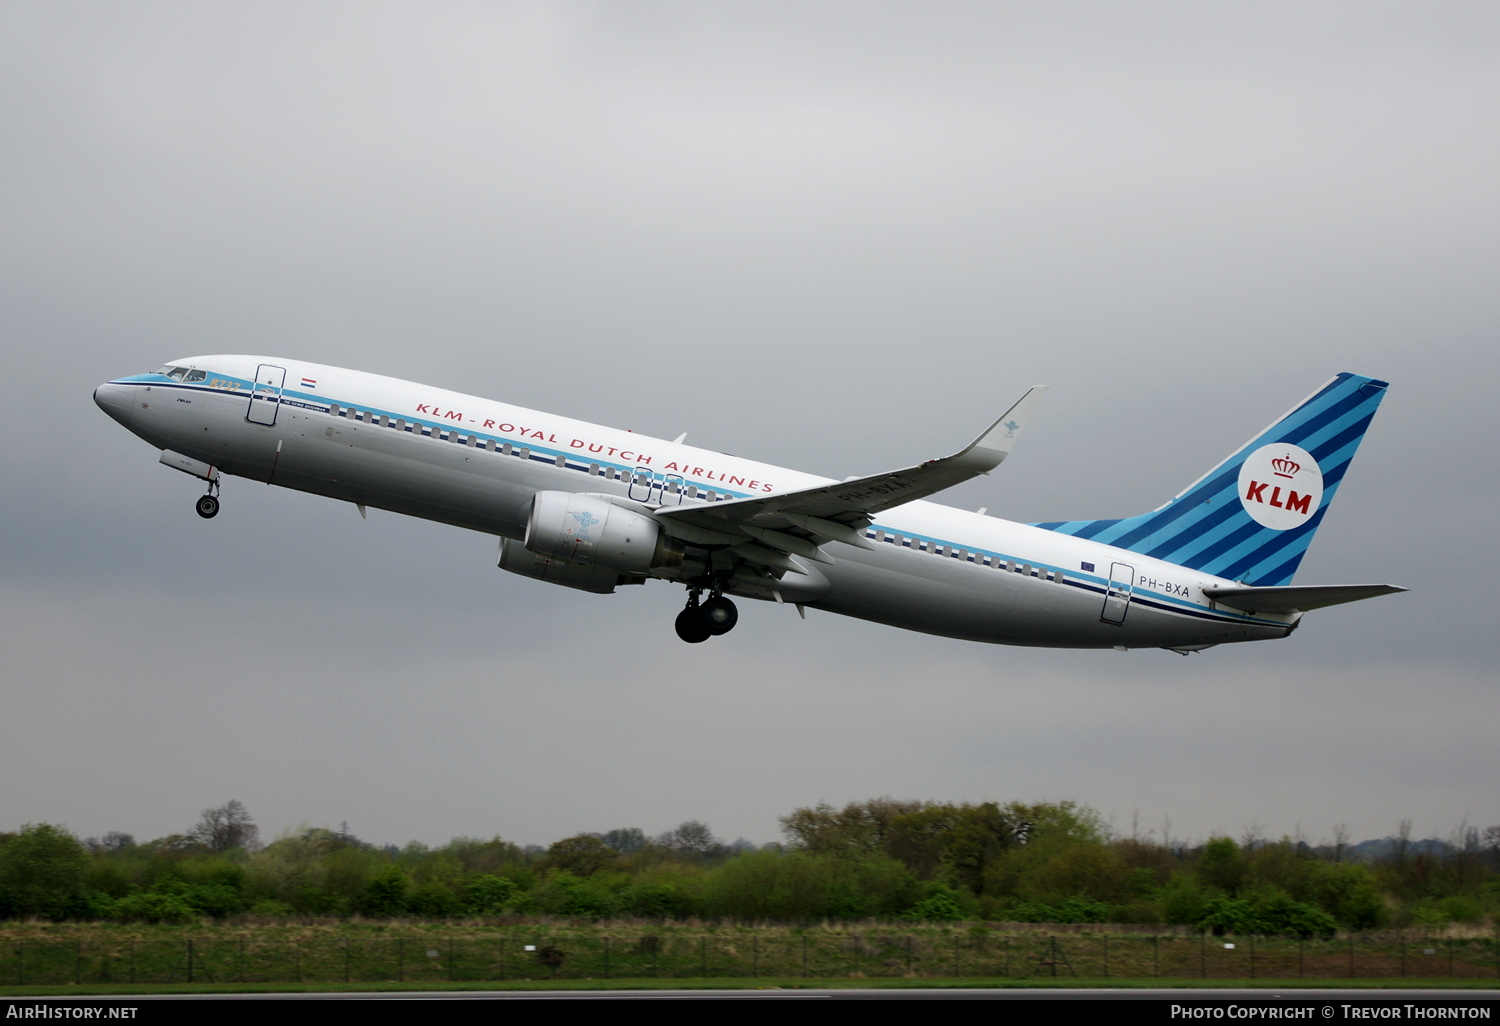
<point>1285,467</point>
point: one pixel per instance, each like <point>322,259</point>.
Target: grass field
<point>363,955</point>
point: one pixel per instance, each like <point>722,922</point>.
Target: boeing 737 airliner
<point>594,508</point>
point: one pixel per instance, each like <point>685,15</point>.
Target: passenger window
<point>489,445</point>
<point>525,453</point>
<point>385,421</point>
<point>197,375</point>
<point>506,450</point>
<point>400,423</point>
<point>593,470</point>
<point>473,441</point>
<point>334,410</point>
<point>712,497</point>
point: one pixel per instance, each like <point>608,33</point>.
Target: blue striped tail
<point>1250,519</point>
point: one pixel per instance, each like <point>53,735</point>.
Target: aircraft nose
<point>116,399</point>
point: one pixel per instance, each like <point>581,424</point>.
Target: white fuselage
<point>933,568</point>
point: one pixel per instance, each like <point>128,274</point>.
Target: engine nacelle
<point>590,531</point>
<point>554,571</point>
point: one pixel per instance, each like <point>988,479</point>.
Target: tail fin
<point>1251,518</point>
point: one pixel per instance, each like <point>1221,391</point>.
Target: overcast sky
<point>838,237</point>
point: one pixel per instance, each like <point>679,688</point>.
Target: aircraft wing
<point>1294,599</point>
<point>797,522</point>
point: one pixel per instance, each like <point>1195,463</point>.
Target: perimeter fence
<point>544,955</point>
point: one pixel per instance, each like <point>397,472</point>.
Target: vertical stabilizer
<point>1252,517</point>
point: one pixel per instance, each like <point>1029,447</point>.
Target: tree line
<point>879,859</point>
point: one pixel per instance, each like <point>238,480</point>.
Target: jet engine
<point>554,571</point>
<point>590,531</point>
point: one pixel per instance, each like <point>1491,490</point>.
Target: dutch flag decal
<point>309,383</point>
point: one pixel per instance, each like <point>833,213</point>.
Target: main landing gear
<point>703,620</point>
<point>208,504</point>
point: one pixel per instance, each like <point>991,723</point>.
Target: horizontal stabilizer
<point>1296,599</point>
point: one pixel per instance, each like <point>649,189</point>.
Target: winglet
<point>991,448</point>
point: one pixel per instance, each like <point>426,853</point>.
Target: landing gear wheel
<point>691,626</point>
<point>207,507</point>
<point>719,614</point>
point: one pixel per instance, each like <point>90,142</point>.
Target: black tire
<point>720,615</point>
<point>207,507</point>
<point>691,627</point>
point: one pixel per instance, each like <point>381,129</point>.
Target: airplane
<point>595,508</point>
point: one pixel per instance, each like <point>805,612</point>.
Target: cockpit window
<point>175,373</point>
<point>196,375</point>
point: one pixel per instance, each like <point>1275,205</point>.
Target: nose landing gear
<point>701,621</point>
<point>208,504</point>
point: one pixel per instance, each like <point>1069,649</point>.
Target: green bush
<point>1277,913</point>
<point>1348,892</point>
<point>154,907</point>
<point>433,901</point>
<point>1460,908</point>
<point>42,871</point>
<point>1070,910</point>
<point>386,894</point>
<point>563,894</point>
<point>487,894</point>
<point>941,907</point>
<point>1184,899</point>
<point>652,901</point>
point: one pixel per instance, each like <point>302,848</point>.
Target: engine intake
<point>590,531</point>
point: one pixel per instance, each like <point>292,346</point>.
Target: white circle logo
<point>1281,486</point>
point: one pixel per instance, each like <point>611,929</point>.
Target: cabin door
<point>1117,593</point>
<point>265,396</point>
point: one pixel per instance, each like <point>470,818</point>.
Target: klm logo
<point>1256,492</point>
<point>1280,486</point>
